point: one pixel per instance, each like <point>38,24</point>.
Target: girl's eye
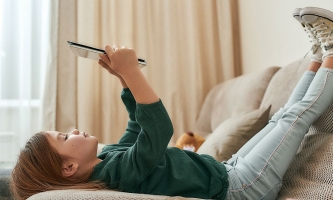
<point>66,137</point>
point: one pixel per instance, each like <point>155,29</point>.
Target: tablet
<point>92,53</point>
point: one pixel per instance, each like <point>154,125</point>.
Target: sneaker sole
<point>296,14</point>
<point>310,14</point>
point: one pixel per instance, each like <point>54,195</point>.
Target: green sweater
<point>142,163</point>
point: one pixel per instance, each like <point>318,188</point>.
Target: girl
<point>141,161</point>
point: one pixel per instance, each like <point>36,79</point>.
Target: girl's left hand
<point>105,63</point>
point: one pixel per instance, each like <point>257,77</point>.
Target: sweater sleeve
<point>133,129</point>
<point>142,158</point>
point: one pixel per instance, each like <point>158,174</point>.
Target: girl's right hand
<point>122,60</point>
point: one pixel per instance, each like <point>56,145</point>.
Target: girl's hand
<point>124,63</point>
<point>105,63</point>
<point>122,60</point>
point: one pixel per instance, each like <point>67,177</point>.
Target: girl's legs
<point>297,95</point>
<point>259,173</point>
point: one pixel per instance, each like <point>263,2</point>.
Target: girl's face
<point>76,145</point>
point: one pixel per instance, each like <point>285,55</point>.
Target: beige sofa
<point>249,101</point>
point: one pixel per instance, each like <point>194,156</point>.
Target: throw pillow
<point>233,133</point>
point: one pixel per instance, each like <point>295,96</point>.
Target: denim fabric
<point>256,171</point>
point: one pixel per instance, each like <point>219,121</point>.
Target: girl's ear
<point>68,169</point>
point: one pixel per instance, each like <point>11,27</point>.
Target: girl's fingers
<point>105,58</point>
<point>115,47</point>
<point>101,63</point>
<point>108,50</point>
<point>105,66</point>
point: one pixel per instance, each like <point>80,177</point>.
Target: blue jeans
<point>257,169</point>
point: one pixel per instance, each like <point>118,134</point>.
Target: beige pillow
<point>233,133</point>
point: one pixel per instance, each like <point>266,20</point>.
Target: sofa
<point>234,111</point>
<point>5,193</point>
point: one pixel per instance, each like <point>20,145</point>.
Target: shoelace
<point>329,41</point>
<point>323,32</point>
<point>312,36</point>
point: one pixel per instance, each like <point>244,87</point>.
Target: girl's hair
<point>38,169</point>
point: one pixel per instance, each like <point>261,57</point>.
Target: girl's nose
<point>76,132</point>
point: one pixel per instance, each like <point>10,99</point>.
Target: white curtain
<point>24,54</point>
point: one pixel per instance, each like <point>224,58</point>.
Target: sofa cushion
<point>282,84</point>
<point>233,133</point>
<point>310,175</point>
<point>245,91</point>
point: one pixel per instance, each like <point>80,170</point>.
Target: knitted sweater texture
<point>142,163</point>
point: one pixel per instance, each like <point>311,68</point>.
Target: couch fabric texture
<point>4,184</point>
<point>99,195</point>
<point>249,101</point>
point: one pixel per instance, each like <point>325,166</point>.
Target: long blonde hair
<point>38,169</point>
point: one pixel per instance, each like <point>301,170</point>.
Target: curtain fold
<point>67,67</point>
<point>60,92</point>
<point>49,92</point>
<point>189,46</point>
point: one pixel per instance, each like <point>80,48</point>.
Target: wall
<point>270,36</point>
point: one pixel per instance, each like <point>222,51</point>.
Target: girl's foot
<point>315,49</point>
<point>321,23</point>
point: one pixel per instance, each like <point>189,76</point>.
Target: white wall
<point>270,36</point>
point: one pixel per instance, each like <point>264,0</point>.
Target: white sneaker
<point>316,51</point>
<point>321,22</point>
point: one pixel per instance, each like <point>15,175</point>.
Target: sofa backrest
<point>282,84</point>
<point>232,98</point>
